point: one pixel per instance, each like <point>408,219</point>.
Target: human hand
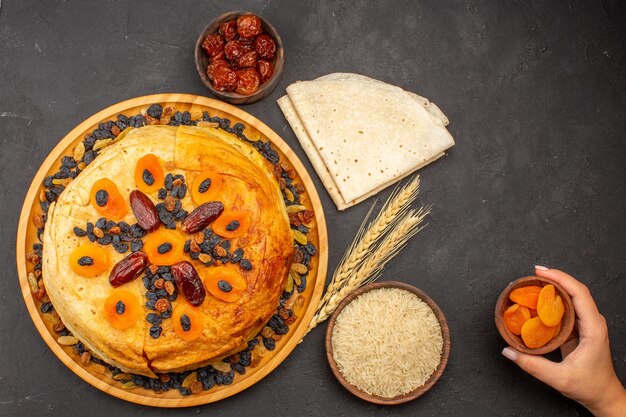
<point>586,373</point>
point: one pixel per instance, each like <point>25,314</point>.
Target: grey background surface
<point>536,96</point>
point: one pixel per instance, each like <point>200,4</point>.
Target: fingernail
<point>541,268</point>
<point>510,354</point>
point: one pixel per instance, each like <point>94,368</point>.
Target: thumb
<point>537,366</point>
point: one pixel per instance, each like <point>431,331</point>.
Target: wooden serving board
<point>97,375</point>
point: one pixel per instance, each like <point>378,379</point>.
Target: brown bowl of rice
<point>387,342</point>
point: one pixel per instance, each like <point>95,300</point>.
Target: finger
<point>537,366</point>
<point>585,307</point>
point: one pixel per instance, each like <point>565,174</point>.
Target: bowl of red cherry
<point>239,57</point>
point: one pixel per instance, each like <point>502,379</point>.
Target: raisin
<point>249,26</point>
<point>213,44</point>
<point>245,264</point>
<point>269,344</point>
<point>237,255</point>
<point>265,46</point>
<point>144,210</point>
<point>248,59</point>
<point>202,216</point>
<point>266,69</point>
<point>155,111</point>
<point>120,307</point>
<point>188,282</point>
<point>79,232</point>
<point>147,177</point>
<point>153,318</point>
<point>228,29</point>
<point>248,81</point>
<point>102,198</point>
<point>204,185</point>
<point>85,261</point>
<point>128,269</point>
<point>155,331</point>
<point>162,193</point>
<point>224,286</point>
<point>185,323</point>
<point>164,248</point>
<point>136,245</point>
<point>232,226</point>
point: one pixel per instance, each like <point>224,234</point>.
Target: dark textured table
<point>536,96</point>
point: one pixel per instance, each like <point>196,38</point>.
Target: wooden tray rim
<point>295,335</point>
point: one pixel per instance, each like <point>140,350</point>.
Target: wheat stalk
<point>363,261</point>
<point>396,205</point>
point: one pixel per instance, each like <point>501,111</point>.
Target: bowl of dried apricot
<point>534,315</point>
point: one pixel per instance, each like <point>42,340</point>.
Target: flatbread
<point>358,149</point>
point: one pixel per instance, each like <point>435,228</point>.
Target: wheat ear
<point>396,205</point>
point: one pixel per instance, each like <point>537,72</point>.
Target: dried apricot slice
<point>187,322</point>
<point>550,306</point>
<point>225,283</point>
<point>164,247</point>
<point>232,223</point>
<point>90,260</point>
<point>107,200</point>
<point>526,296</point>
<point>515,316</point>
<point>149,175</point>
<point>535,334</point>
<point>122,309</point>
<point>206,187</point>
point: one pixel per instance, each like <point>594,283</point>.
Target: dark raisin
<point>214,240</point>
<point>155,111</point>
<point>147,177</point>
<point>101,223</point>
<point>68,161</point>
<point>169,178</point>
<point>89,157</point>
<point>225,244</point>
<point>140,120</point>
<point>147,282</point>
<point>164,248</point>
<point>155,331</point>
<point>245,264</point>
<point>136,245</point>
<point>232,226</point>
<point>310,248</point>
<point>150,304</point>
<point>237,255</point>
<point>154,318</point>
<point>302,285</point>
<point>269,344</point>
<point>125,227</point>
<point>239,368</point>
<point>121,248</point>
<point>162,193</point>
<point>102,198</point>
<point>120,307</point>
<point>186,118</point>
<point>121,125</point>
<point>136,231</point>
<point>79,232</point>
<point>245,358</point>
<point>181,215</point>
<point>204,185</point>
<point>224,286</point>
<point>187,246</point>
<point>47,182</point>
<point>85,261</point>
<point>122,118</point>
<point>185,323</point>
<point>46,307</point>
<point>106,239</point>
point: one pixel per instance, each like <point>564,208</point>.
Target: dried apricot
<point>225,283</point>
<point>164,247</point>
<point>206,187</point>
<point>107,200</point>
<point>149,175</point>
<point>515,316</point>
<point>232,223</point>
<point>187,322</point>
<point>526,296</point>
<point>90,260</point>
<point>122,309</point>
<point>535,334</point>
<point>550,308</point>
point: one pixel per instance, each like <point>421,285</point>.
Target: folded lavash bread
<point>362,135</point>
